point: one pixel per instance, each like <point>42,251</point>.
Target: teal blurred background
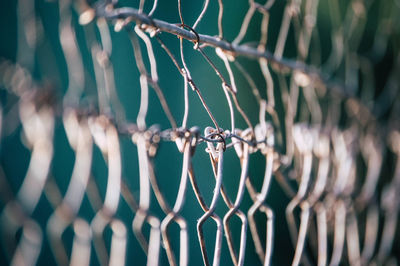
<point>49,68</point>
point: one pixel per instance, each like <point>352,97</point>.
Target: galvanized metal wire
<point>327,129</point>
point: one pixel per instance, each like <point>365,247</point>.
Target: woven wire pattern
<point>326,129</point>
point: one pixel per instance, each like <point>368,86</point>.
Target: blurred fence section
<point>215,133</point>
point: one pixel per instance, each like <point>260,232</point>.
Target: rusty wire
<point>327,151</point>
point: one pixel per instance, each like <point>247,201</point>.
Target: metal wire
<point>327,129</point>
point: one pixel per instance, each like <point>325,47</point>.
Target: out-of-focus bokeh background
<point>30,37</point>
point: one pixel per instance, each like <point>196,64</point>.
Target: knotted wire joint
<point>197,41</point>
<point>210,134</point>
<point>152,137</point>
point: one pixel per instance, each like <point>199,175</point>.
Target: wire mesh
<point>314,84</point>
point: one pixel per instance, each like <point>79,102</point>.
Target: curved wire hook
<point>173,215</point>
<point>39,129</point>
<point>263,132</point>
<point>390,202</point>
<point>106,138</point>
<point>79,137</point>
<point>218,239</point>
<point>30,244</point>
<point>186,73</point>
<point>154,75</point>
<point>372,151</point>
<point>304,143</point>
<point>234,209</point>
<point>205,208</point>
<point>153,247</point>
<point>344,169</point>
<point>197,42</point>
<point>321,151</point>
<point>38,125</point>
